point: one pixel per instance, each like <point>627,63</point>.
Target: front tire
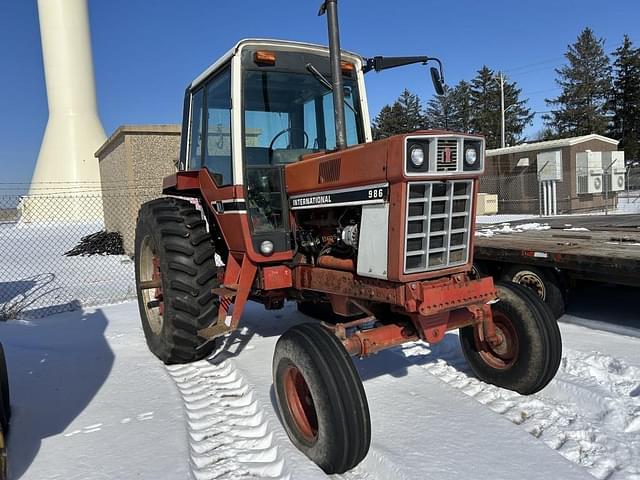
<point>320,398</point>
<point>529,356</point>
<point>174,247</point>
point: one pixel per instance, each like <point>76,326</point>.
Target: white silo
<point>74,131</point>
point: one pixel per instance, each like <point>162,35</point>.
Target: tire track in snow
<point>589,413</point>
<point>228,434</point>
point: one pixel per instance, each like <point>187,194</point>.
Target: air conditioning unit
<point>589,172</point>
<point>487,204</point>
<point>549,166</point>
<point>614,170</point>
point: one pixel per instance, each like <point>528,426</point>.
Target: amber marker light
<point>265,58</point>
<point>347,68</point>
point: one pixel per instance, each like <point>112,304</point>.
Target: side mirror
<point>437,81</point>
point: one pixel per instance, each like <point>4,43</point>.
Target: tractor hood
<point>360,165</point>
<point>384,161</point>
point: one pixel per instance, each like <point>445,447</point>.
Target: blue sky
<point>145,52</point>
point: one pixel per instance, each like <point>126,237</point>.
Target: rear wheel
<point>320,398</point>
<point>529,355</point>
<point>175,274</point>
<point>544,284</point>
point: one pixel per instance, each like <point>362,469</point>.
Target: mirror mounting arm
<point>379,63</point>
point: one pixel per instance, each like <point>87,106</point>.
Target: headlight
<point>417,156</point>
<point>266,248</point>
<point>473,157</point>
<point>470,156</point>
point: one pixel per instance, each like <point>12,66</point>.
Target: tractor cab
<point>265,105</point>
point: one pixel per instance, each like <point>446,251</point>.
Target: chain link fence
<point>524,194</point>
<point>66,248</point>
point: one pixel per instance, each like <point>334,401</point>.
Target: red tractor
<point>292,200</point>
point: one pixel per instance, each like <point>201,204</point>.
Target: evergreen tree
<point>517,114</point>
<point>582,106</point>
<point>461,100</point>
<point>440,113</point>
<point>625,103</point>
<point>404,116</point>
<point>544,134</point>
<point>388,122</point>
<point>486,115</point>
<point>485,105</point>
<point>451,111</point>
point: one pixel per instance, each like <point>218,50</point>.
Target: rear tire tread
<point>185,249</point>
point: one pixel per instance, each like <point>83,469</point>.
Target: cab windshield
<point>289,114</point>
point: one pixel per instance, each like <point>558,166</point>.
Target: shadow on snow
<point>56,366</point>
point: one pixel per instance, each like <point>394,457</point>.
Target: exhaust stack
<point>330,7</point>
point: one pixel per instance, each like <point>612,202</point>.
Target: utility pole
<point>501,78</point>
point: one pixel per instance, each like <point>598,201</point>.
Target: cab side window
<point>217,146</point>
<point>195,129</point>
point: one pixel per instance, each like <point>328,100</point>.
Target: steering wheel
<point>286,130</point>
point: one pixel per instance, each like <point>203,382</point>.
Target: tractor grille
<point>438,225</point>
<point>447,155</point>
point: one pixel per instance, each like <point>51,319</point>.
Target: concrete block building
<point>133,161</point>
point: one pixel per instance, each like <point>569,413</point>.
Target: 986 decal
<point>376,193</point>
<point>349,196</point>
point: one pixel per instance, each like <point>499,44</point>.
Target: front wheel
<point>320,398</point>
<point>529,355</point>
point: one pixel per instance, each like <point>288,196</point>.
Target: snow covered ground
<point>91,402</point>
<point>506,227</point>
<point>36,278</point>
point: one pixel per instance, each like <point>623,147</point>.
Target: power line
<point>541,63</point>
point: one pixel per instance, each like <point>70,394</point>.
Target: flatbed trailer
<point>552,261</point>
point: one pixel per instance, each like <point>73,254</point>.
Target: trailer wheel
<point>174,250</point>
<point>320,398</point>
<point>543,284</point>
<point>529,356</point>
<point>5,404</point>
